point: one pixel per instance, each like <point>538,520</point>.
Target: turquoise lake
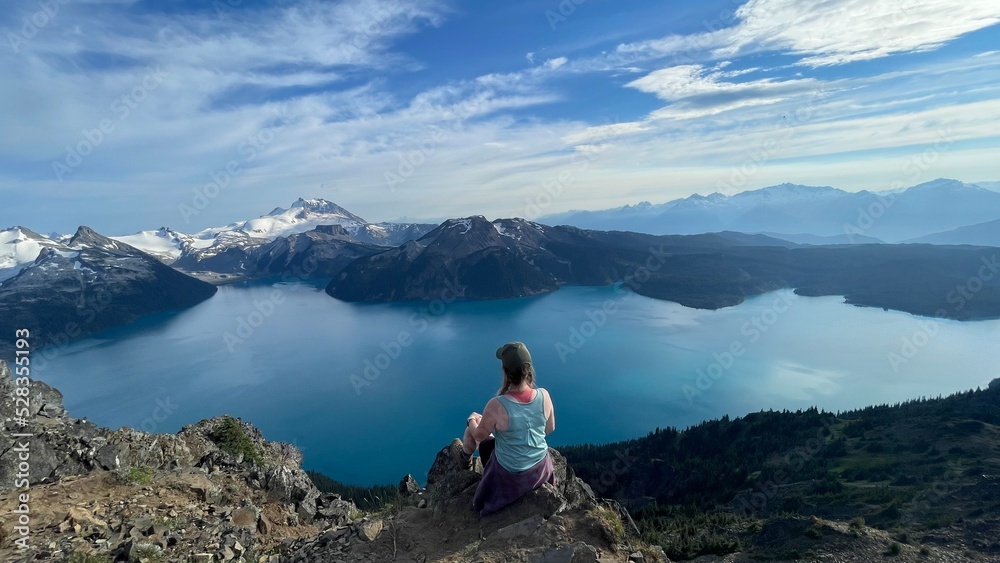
<point>372,392</point>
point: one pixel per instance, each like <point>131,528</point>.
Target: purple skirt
<point>500,487</point>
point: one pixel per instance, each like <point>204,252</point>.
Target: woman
<point>516,459</point>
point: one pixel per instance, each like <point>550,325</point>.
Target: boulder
<point>289,485</point>
<point>245,517</point>
<point>451,488</point>
<point>368,530</point>
<point>335,510</point>
<point>408,486</point>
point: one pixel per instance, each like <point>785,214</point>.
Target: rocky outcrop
<point>566,523</point>
<point>132,496</point>
<point>180,495</point>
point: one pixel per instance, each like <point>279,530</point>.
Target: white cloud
<point>556,62</point>
<point>842,31</point>
<point>826,33</point>
<point>687,81</point>
<point>697,92</point>
<point>605,132</point>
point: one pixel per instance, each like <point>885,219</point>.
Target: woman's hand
<point>474,419</point>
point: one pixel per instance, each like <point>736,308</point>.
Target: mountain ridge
<point>980,234</point>
<point>891,216</point>
<point>516,258</point>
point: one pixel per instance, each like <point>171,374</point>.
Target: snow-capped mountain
<point>304,215</point>
<point>19,247</point>
<point>165,244</point>
<point>791,209</point>
<point>86,284</point>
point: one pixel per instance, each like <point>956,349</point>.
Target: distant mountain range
<point>983,234</point>
<point>790,210</point>
<point>74,285</point>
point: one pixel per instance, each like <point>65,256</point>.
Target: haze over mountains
<point>982,234</point>
<point>799,213</point>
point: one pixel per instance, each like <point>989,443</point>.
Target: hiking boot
<point>462,459</point>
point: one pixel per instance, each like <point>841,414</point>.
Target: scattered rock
<point>264,525</point>
<point>368,530</point>
<point>244,516</point>
<point>408,486</point>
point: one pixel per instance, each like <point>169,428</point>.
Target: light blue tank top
<point>522,444</point>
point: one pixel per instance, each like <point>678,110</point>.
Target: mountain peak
<point>303,215</point>
<point>943,184</point>
<point>320,206</point>
<point>471,223</point>
<point>87,236</point>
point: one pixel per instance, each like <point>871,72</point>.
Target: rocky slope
<point>218,491</point>
<point>88,284</point>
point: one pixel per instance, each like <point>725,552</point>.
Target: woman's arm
<point>482,429</point>
<point>550,412</point>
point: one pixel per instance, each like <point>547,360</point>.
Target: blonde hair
<point>523,373</point>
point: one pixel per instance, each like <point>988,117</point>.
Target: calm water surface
<point>293,361</point>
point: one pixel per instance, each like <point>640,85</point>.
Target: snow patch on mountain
<point>163,243</point>
<point>304,215</point>
<point>19,248</point>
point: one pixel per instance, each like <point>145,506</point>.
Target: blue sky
<point>128,115</point>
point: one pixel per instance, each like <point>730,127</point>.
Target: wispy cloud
<point>696,91</point>
<point>829,33</point>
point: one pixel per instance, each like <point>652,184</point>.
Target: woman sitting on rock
<point>510,435</point>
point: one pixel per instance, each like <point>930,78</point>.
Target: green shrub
<point>894,549</point>
<point>813,532</point>
<point>857,523</point>
<point>150,553</point>
<point>138,475</point>
<point>231,438</point>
